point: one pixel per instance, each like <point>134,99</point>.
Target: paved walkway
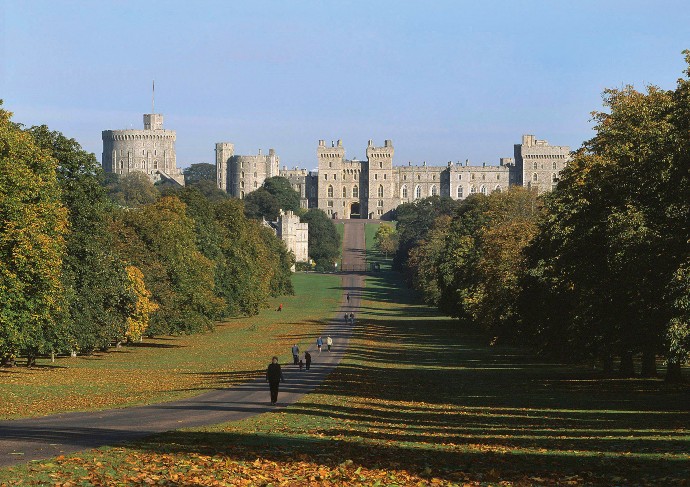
<point>45,437</point>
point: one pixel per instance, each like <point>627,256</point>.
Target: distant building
<point>151,151</point>
<point>294,234</point>
<point>373,188</point>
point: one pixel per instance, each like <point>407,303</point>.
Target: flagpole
<point>153,97</point>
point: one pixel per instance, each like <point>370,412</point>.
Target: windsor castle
<point>341,187</point>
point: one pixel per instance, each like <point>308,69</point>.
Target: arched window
<point>330,191</point>
<point>155,164</point>
<point>482,190</point>
<point>380,191</point>
<point>554,178</point>
<point>418,192</point>
<point>242,195</point>
<point>242,174</point>
<point>403,192</point>
<point>433,190</point>
<point>497,189</point>
<point>534,165</point>
<point>459,177</point>
<point>255,185</point>
<point>325,176</point>
<point>355,192</point>
<point>380,165</point>
<point>460,192</point>
<point>553,165</point>
<point>535,177</point>
<point>473,189</point>
<point>344,192</point>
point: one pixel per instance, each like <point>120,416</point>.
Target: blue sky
<point>445,80</point>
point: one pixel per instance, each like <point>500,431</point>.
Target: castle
<point>373,188</point>
<point>151,151</point>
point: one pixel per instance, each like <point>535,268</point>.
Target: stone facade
<point>151,151</point>
<point>373,188</point>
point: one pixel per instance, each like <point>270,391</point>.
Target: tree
<point>33,222</point>
<point>96,285</point>
<point>138,320</point>
<point>280,187</point>
<point>386,239</point>
<point>261,204</point>
<point>132,190</point>
<point>196,173</point>
<point>324,240</point>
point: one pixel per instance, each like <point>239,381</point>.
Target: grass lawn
<point>169,368</point>
<point>340,228</point>
<point>419,401</point>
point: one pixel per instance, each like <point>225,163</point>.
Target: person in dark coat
<point>307,359</point>
<point>274,376</point>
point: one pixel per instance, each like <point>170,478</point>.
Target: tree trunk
<point>649,364</point>
<point>607,363</point>
<point>627,367</point>
<point>673,374</point>
<point>30,360</point>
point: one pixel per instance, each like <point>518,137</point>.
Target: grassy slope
<point>172,367</point>
<point>340,228</point>
<point>419,401</point>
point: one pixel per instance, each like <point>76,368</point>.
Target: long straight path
<point>45,437</point>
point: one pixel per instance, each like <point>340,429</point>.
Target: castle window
<point>380,165</point>
<point>155,153</point>
<point>344,192</point>
<point>497,189</point>
<point>255,185</point>
<point>534,166</point>
<point>498,177</point>
<point>554,178</point>
<point>535,177</point>
<point>155,164</point>
<point>241,184</point>
<point>355,192</point>
<point>553,165</point>
<point>472,176</point>
<point>418,192</point>
<point>419,177</point>
<point>329,192</point>
<point>459,177</point>
<point>404,177</point>
<point>379,203</point>
<point>376,177</point>
<point>384,176</point>
<point>434,177</point>
<point>483,177</point>
<point>254,173</point>
<point>380,191</point>
<point>433,190</point>
<point>325,176</point>
<point>242,195</point>
<point>242,174</point>
<point>330,204</point>
<point>403,191</point>
<point>330,163</point>
<point>460,192</point>
<point>473,189</point>
<point>335,176</point>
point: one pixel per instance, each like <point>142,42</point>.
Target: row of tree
<point>597,269</point>
<point>81,271</point>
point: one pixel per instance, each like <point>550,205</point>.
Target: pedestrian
<point>348,297</point>
<point>280,307</point>
<point>295,354</point>
<point>307,360</point>
<point>301,365</point>
<point>346,319</point>
<point>329,343</point>
<point>319,343</point>
<point>274,376</point>
<point>352,318</point>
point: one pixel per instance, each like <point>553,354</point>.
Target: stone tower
<point>379,190</point>
<point>330,187</point>
<point>151,151</point>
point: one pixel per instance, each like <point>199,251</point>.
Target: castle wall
<point>539,163</point>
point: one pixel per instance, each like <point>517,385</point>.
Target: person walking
<point>329,343</point>
<point>274,376</point>
<point>307,360</point>
<point>352,318</point>
<point>319,343</point>
<point>348,297</point>
<point>295,354</point>
<point>346,318</point>
<point>280,307</point>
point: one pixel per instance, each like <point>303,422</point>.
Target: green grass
<point>373,255</point>
<point>340,228</point>
<point>168,368</point>
<point>418,400</point>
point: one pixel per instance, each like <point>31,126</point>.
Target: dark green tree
<point>132,190</point>
<point>324,240</point>
<point>280,187</point>
<point>199,172</point>
<point>261,204</point>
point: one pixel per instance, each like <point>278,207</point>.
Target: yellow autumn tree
<point>138,321</point>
